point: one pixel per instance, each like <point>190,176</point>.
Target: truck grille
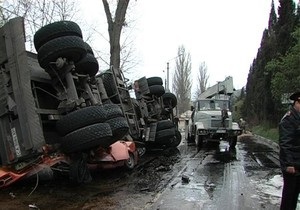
<point>218,123</point>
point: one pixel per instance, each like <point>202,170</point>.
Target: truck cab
<point>211,118</point>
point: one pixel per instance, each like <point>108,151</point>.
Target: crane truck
<point>211,118</point>
<point>57,111</point>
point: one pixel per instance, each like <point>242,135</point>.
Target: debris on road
<point>32,206</point>
<point>185,179</point>
<point>162,168</point>
<point>12,195</point>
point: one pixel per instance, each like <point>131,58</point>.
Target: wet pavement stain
<point>215,181</point>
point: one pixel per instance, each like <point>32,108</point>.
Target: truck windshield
<point>212,104</point>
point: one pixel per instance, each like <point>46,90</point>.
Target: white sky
<point>224,34</point>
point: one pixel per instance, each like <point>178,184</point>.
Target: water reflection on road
<point>221,180</point>
<point>181,178</point>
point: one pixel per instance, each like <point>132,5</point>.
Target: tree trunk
<point>114,30</point>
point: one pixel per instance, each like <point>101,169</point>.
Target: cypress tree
<point>276,59</point>
<point>272,18</point>
<point>258,92</point>
<point>285,25</point>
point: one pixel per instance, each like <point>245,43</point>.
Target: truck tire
<point>199,142</point>
<point>88,48</point>
<point>87,65</point>
<point>55,30</point>
<point>156,90</point>
<point>130,162</point>
<point>164,137</point>
<point>164,124</point>
<point>169,100</point>
<point>177,139</point>
<point>232,142</point>
<point>119,127</point>
<point>80,118</point>
<point>78,171</point>
<point>110,86</point>
<point>85,138</point>
<point>191,139</point>
<point>70,47</point>
<point>112,111</point>
<point>154,81</point>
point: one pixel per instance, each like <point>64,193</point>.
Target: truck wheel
<point>119,127</point>
<point>191,139</point>
<point>154,81</point>
<point>87,65</point>
<point>88,48</point>
<point>169,100</point>
<point>176,139</point>
<point>109,85</point>
<point>156,90</point>
<point>80,118</point>
<point>164,124</point>
<point>85,138</point>
<point>232,142</point>
<point>130,163</point>
<point>199,142</point>
<point>112,111</point>
<point>164,137</point>
<point>70,47</point>
<point>78,171</point>
<point>55,30</point>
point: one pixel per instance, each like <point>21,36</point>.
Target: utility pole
<point>168,78</point>
<point>167,83</point>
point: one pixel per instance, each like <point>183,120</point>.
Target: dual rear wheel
<point>92,126</point>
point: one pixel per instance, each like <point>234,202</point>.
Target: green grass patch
<point>266,132</point>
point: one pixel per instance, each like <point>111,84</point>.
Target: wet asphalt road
<point>221,180</point>
<point>182,178</point>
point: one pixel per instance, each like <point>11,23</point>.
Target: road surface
<point>184,178</point>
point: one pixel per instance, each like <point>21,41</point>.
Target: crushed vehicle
<point>211,118</point>
<point>57,112</point>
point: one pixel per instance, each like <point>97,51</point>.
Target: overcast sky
<point>224,34</point>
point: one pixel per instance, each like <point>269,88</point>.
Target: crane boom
<point>225,87</point>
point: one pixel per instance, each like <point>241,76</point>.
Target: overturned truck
<point>58,112</point>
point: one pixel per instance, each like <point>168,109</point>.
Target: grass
<point>266,132</point>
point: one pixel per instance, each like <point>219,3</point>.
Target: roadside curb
<point>268,142</point>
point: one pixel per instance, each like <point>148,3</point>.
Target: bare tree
<point>128,57</point>
<point>182,83</point>
<point>1,15</point>
<point>37,13</point>
<point>202,79</point>
<point>120,39</point>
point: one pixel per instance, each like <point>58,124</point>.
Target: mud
<point>60,192</point>
<point>164,179</point>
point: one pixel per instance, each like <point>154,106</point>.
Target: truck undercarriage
<point>55,108</point>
